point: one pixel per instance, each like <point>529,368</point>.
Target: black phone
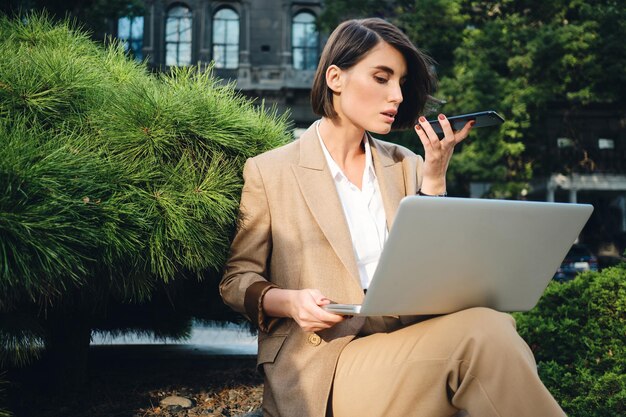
<point>482,118</point>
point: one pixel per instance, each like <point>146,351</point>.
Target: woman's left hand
<point>437,153</point>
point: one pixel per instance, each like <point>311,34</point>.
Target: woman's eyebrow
<point>388,70</point>
<point>384,68</point>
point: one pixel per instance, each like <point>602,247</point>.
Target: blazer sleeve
<point>246,276</point>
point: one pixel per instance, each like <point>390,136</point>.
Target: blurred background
<point>553,70</point>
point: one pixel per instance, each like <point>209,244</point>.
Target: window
<point>604,143</point>
<point>178,36</point>
<point>130,33</point>
<point>564,142</point>
<point>226,38</point>
<point>305,41</point>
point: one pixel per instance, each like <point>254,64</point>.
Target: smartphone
<point>482,118</point>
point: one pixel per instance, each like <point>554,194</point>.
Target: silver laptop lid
<point>447,254</point>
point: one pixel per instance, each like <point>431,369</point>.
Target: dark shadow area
<point>131,380</point>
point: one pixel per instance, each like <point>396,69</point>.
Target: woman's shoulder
<point>283,155</point>
<point>292,152</point>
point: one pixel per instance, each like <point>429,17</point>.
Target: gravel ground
<point>133,380</point>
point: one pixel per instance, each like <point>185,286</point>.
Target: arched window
<point>178,36</point>
<point>304,41</point>
<point>226,38</point>
<point>130,32</point>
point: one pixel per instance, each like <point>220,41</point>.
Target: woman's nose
<point>396,94</point>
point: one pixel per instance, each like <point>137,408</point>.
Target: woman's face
<point>370,92</point>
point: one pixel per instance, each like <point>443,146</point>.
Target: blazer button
<point>314,339</point>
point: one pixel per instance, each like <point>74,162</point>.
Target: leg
<point>472,360</point>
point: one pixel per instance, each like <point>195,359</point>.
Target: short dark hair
<point>350,42</point>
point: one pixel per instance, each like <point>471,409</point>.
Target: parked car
<point>578,259</point>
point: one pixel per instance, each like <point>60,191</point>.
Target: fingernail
<point>442,117</point>
<point>418,127</point>
<point>422,119</point>
<point>472,122</point>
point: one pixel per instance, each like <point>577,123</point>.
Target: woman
<point>315,215</point>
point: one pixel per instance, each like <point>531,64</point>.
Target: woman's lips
<point>390,117</point>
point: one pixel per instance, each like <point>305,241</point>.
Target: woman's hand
<point>307,312</point>
<point>304,306</point>
<point>437,153</point>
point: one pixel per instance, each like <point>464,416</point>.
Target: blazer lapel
<point>319,191</point>
<point>390,179</point>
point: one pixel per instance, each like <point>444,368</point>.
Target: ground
<point>132,380</point>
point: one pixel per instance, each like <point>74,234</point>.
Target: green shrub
<point>3,412</point>
<point>578,335</point>
<point>119,191</point>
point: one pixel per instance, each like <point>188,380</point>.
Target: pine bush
<point>115,183</point>
<point>578,335</point>
<point>3,411</point>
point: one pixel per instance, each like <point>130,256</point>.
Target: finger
<point>317,323</point>
<point>318,297</point>
<point>430,132</point>
<point>427,143</point>
<point>328,317</point>
<point>315,313</point>
<point>463,133</point>
<point>324,302</point>
<point>449,135</point>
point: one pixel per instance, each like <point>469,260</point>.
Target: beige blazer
<point>294,235</point>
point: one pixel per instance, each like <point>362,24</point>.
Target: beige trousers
<point>472,360</point>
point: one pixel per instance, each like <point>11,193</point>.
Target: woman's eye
<point>380,80</point>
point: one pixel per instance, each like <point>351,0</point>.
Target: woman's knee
<point>484,315</point>
<point>481,323</point>
<point>481,329</point>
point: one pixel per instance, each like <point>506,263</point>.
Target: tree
<point>521,58</point>
<point>119,189</point>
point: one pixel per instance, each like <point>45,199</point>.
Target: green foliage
<point>435,26</point>
<point>21,340</point>
<point>578,335</point>
<point>3,411</point>
<point>114,182</point>
<point>516,57</point>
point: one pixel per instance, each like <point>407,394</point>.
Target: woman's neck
<point>344,141</point>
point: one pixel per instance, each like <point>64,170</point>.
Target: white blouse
<point>364,212</point>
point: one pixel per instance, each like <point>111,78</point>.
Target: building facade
<point>269,48</point>
<point>582,159</point>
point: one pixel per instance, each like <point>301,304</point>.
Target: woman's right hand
<point>304,306</point>
<point>307,311</point>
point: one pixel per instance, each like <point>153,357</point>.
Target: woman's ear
<point>334,78</point>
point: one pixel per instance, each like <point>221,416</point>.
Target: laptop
<point>448,254</point>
